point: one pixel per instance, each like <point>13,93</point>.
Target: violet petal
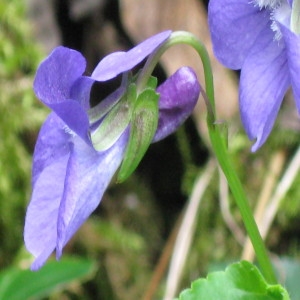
<point>81,90</point>
<point>292,43</point>
<point>75,117</point>
<point>88,175</point>
<point>54,83</point>
<point>40,230</point>
<point>263,84</point>
<point>178,97</point>
<point>51,145</point>
<point>234,27</point>
<point>57,73</point>
<point>119,62</point>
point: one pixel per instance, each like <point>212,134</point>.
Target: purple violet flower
<point>258,38</point>
<point>69,176</point>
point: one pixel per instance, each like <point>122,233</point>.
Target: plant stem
<point>242,203</point>
<point>218,144</point>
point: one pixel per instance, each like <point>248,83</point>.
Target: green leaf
<point>240,281</point>
<point>114,124</point>
<point>142,129</point>
<point>16,284</point>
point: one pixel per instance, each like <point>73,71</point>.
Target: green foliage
<point>289,211</point>
<point>114,237</point>
<point>240,281</point>
<point>16,284</point>
<point>129,236</point>
<point>21,116</point>
<point>125,239</point>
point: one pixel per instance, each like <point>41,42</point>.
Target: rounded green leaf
<point>240,281</point>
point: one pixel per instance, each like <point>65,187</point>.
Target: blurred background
<point>124,250</point>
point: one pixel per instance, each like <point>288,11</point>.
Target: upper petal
<point>119,62</point>
<point>234,27</point>
<point>263,84</point>
<point>292,43</point>
<point>60,85</point>
<point>88,175</point>
<point>178,97</point>
<point>57,74</point>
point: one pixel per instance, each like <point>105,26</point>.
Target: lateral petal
<point>263,84</point>
<point>292,43</point>
<point>75,118</point>
<point>234,26</point>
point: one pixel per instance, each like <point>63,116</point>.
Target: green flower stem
<point>218,144</point>
<point>182,37</point>
<point>242,203</point>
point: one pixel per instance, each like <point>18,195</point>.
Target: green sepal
<point>152,83</point>
<point>99,111</point>
<point>115,122</point>
<point>142,129</point>
<point>240,281</point>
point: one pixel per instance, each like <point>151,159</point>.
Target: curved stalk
<point>218,143</point>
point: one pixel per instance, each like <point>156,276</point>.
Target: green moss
<point>21,116</point>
